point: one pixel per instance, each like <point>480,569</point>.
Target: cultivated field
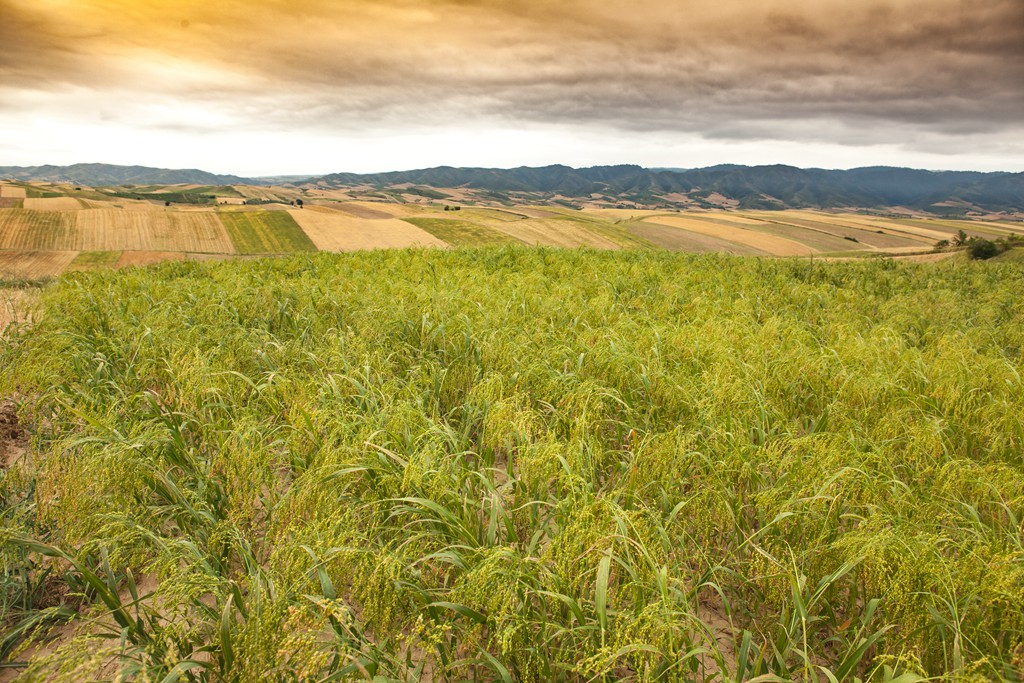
<point>333,230</point>
<point>265,232</point>
<point>518,464</point>
<point>147,224</point>
<point>11,192</point>
<point>33,265</point>
<point>54,204</point>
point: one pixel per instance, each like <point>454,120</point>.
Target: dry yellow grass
<point>121,230</point>
<point>10,192</point>
<point>53,204</point>
<point>778,246</point>
<point>336,231</point>
<point>30,265</point>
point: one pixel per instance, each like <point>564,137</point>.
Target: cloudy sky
<point>314,86</point>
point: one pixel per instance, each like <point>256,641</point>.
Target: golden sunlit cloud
<point>934,82</point>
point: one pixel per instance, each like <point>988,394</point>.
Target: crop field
<point>91,260</point>
<point>21,229</point>
<point>749,237</point>
<point>332,230</point>
<point>460,233</point>
<point>518,464</point>
<point>12,192</point>
<point>54,204</point>
<point>33,265</point>
<point>167,230</point>
<point>265,232</point>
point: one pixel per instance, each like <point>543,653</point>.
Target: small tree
<point>981,249</point>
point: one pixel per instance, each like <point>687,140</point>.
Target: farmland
<point>520,464</point>
<point>147,225</point>
<point>265,232</point>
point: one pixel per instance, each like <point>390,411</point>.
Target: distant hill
<point>726,185</point>
<point>752,187</point>
<point>99,175</point>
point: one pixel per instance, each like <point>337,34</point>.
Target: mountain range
<point>748,187</point>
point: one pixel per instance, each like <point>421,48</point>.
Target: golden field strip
<point>42,236</point>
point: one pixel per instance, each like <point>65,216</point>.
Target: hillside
<point>50,228</point>
<point>513,464</point>
<point>759,187</point>
<point>948,193</point>
<point>98,175</point>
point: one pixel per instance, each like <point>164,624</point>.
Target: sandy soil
<point>772,244</point>
<point>336,231</point>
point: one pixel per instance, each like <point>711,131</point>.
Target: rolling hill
<point>724,186</point>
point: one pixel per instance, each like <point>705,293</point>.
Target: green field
<point>521,464</point>
<point>89,260</point>
<point>462,233</point>
<point>265,232</point>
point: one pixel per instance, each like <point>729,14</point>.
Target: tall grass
<point>521,465</point>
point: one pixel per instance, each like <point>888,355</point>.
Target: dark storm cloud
<point>726,69</point>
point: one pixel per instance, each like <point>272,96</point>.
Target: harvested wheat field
<point>672,238</point>
<point>555,232</point>
<point>31,265</point>
<point>53,204</point>
<point>873,237</point>
<point>332,230</point>
<point>25,230</point>
<point>167,230</point>
<point>11,192</point>
<point>771,244</point>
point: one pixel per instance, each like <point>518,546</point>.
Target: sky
<point>319,86</point>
